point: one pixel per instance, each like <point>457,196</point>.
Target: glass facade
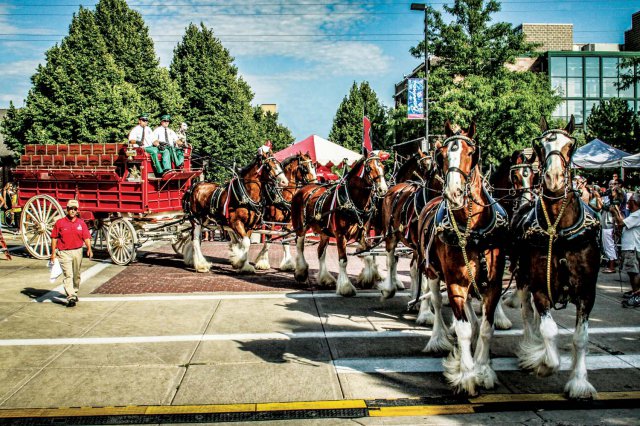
<point>582,79</point>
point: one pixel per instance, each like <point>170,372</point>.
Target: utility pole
<point>425,143</point>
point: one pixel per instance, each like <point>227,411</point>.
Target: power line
<point>307,4</point>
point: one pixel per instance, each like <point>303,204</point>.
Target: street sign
<point>415,98</point>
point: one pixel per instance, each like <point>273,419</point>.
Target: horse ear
<point>438,144</point>
<point>571,125</point>
<point>447,129</point>
<point>544,126</point>
<point>514,156</point>
<point>471,132</point>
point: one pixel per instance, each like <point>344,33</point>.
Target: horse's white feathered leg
<point>246,267</point>
<point>500,318</point>
<point>262,260</point>
<point>485,376</point>
<point>287,261</point>
<point>324,277</point>
<point>458,366</point>
<point>387,286</point>
<point>578,386</point>
<point>302,267</point>
<point>440,340</point>
<point>200,264</point>
<point>370,274</point>
<point>343,284</point>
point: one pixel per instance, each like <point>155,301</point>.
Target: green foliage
<point>470,81</point>
<point>216,101</point>
<point>94,83</point>
<point>613,122</point>
<point>627,78</point>
<point>128,41</point>
<point>269,129</point>
<point>347,124</point>
<point>470,45</point>
<point>79,95</point>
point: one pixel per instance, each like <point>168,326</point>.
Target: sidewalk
<point>276,345</point>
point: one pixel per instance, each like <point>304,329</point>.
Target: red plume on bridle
<point>268,143</point>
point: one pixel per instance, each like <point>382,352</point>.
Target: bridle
<point>453,140</point>
<point>552,135</point>
<point>304,168</point>
<point>274,166</point>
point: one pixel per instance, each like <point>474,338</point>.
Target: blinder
<point>456,145</point>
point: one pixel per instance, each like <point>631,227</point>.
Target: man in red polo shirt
<point>67,237</point>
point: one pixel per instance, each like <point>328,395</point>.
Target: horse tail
<point>187,199</point>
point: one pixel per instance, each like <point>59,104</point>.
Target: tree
<point>347,124</point>
<point>469,45</point>
<point>268,129</point>
<point>470,81</point>
<point>79,95</point>
<point>127,39</point>
<point>216,101</point>
<point>627,77</point>
<point>615,123</point>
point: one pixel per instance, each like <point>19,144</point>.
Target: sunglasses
<point>72,208</point>
<point>144,119</point>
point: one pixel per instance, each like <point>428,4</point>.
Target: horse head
<point>554,148</point>
<point>270,167</point>
<point>373,171</point>
<point>457,157</point>
<point>306,170</point>
<point>522,174</point>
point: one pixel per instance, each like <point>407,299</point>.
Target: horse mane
<point>503,169</point>
<point>284,163</point>
<point>411,162</point>
<point>242,171</point>
<point>356,167</point>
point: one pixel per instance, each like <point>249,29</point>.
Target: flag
<point>366,137</point>
<point>415,98</point>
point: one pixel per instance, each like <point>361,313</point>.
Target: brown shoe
<point>609,271</point>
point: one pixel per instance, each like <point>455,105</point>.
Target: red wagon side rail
<point>114,184</point>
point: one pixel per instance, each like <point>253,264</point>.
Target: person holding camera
<point>610,203</point>
<point>169,141</point>
<point>631,249</point>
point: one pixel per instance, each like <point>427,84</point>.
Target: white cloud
<point>19,68</point>
<point>280,31</point>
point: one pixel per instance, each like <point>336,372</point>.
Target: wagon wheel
<point>121,241</point>
<point>99,235</point>
<point>39,215</point>
<point>181,238</point>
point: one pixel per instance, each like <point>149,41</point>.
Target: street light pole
<point>425,143</point>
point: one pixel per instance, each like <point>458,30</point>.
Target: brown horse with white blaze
<point>463,240</point>
<point>237,207</point>
<point>557,251</point>
<point>342,211</point>
<point>299,171</point>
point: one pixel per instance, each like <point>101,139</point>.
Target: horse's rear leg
<point>301,272</point>
<point>262,259</point>
<point>324,278</point>
<point>370,274</point>
<point>287,261</point>
<point>502,322</point>
<point>200,264</point>
<point>459,365</point>
<point>240,257</point>
<point>388,286</point>
<point>440,340</point>
<point>578,387</point>
<point>540,352</point>
<point>343,284</point>
<point>419,280</point>
<point>485,376</point>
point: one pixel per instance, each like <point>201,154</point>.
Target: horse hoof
<point>388,294</point>
<point>544,370</point>
<point>263,266</point>
<point>301,277</point>
<point>348,292</point>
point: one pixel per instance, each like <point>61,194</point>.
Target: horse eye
<point>454,146</point>
<point>525,173</point>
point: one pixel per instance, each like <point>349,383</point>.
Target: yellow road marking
<point>313,405</point>
<point>201,409</point>
<point>422,410</point>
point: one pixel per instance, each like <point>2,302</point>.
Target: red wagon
<point>122,201</point>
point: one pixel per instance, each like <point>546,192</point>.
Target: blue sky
<point>302,55</point>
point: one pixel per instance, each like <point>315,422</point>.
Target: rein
<point>462,242</point>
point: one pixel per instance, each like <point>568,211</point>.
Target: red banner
<point>366,137</point>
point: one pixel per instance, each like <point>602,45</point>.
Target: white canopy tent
<point>599,155</point>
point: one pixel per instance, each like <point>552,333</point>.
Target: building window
<point>610,67</point>
<point>574,87</point>
<point>574,67</point>
<point>575,108</point>
<point>589,108</point>
<point>560,111</point>
<point>592,87</point>
<point>609,88</point>
<point>558,67</point>
<point>592,67</point>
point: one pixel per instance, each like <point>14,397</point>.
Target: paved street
<point>156,334</point>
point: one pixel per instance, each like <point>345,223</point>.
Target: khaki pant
<point>70,261</point>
